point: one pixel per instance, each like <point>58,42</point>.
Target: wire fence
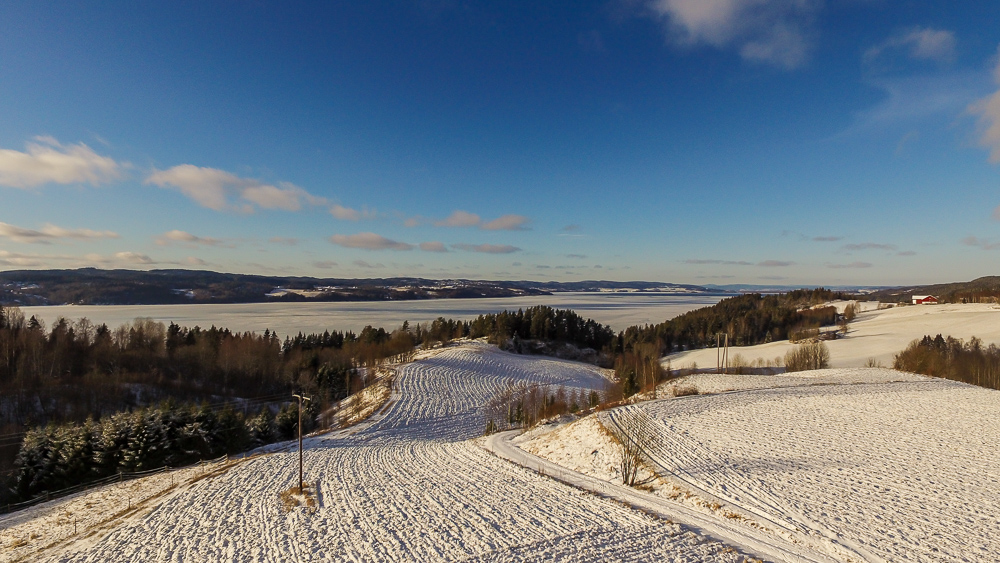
<point>119,477</point>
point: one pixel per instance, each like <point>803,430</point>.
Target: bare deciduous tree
<point>634,438</point>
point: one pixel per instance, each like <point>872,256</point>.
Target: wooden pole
<point>300,398</point>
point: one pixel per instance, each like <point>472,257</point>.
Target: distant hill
<point>90,286</point>
<point>986,288</point>
<point>758,288</point>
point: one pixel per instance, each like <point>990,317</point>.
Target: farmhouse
<point>924,300</point>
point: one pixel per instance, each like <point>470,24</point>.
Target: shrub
<point>811,355</point>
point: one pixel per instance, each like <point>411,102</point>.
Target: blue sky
<point>690,141</point>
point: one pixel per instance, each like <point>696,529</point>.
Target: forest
<point>81,400</point>
<point>748,320</point>
<point>952,358</point>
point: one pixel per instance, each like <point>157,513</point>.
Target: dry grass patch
<point>293,497</point>
<point>685,391</point>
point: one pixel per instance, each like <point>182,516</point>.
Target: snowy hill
<point>859,464</point>
<point>406,486</point>
<point>877,334</point>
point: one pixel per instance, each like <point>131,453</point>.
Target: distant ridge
<point>91,286</point>
<point>984,288</point>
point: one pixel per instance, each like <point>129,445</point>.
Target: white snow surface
<point>887,465</point>
<point>406,485</point>
<point>878,334</point>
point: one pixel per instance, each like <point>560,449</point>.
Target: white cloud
<point>988,110</point>
<point>345,213</point>
<point>433,246</point>
<point>183,237</point>
<point>766,31</point>
<point>487,248</point>
<point>48,162</point>
<point>217,189</point>
<point>851,265</point>
<point>285,195</point>
<point>133,258</point>
<point>459,218</point>
<point>50,232</point>
<point>124,258</point>
<point>369,241</point>
<point>16,259</point>
<point>194,261</point>
<point>506,223</point>
<point>920,43</point>
<point>349,214</point>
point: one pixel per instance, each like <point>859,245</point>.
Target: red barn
<point>924,300</point>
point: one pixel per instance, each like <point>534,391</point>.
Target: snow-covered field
<point>863,464</point>
<point>877,334</point>
<point>406,485</point>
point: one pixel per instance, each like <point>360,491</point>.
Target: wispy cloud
<point>868,246</point>
<point>985,244</point>
<point>577,256</point>
<point>704,261</point>
<point>910,99</point>
<point>433,246</point>
<point>285,241</point>
<point>369,241</point>
<point>125,257</point>
<point>195,261</point>
<point>29,260</point>
<point>348,214</point>
<point>487,248</point>
<point>46,161</point>
<point>988,110</point>
<point>223,191</point>
<point>826,239</point>
<point>459,218</point>
<point>775,264</point>
<point>49,233</point>
<point>919,43</point>
<point>363,264</point>
<point>506,223</point>
<point>182,237</point>
<point>774,32</point>
<point>851,265</point>
<point>324,264</point>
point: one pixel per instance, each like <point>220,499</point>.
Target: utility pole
<point>300,398</point>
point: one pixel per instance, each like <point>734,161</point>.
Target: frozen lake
<point>619,310</point>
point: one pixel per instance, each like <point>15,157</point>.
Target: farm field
<point>877,334</point>
<point>864,464</point>
<point>406,486</point>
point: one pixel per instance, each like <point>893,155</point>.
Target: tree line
<point>952,358</point>
<point>748,319</point>
<point>55,457</point>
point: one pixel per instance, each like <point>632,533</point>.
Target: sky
<point>790,142</point>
